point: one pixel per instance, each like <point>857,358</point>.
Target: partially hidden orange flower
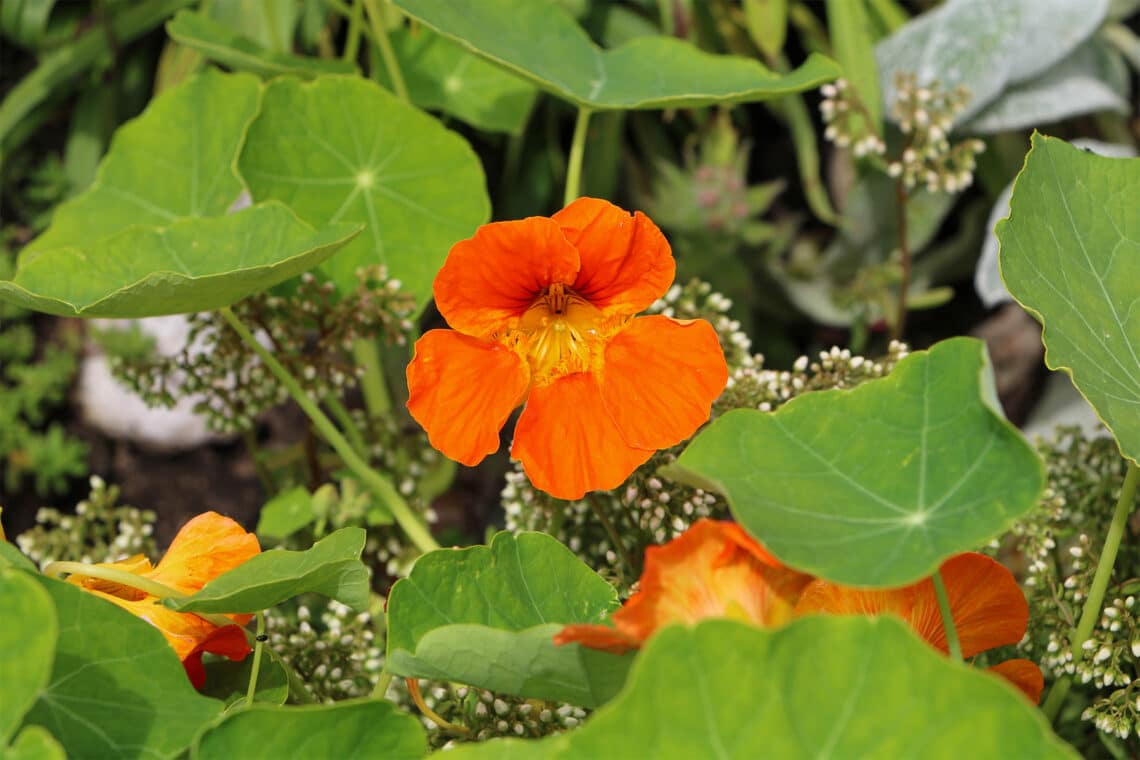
<point>542,311</point>
<point>206,547</point>
<point>712,570</point>
<point>986,603</point>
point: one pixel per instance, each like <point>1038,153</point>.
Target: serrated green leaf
<point>221,43</point>
<point>117,689</point>
<point>331,567</point>
<point>27,646</point>
<point>542,42</point>
<point>822,687</point>
<point>1070,254</point>
<point>352,729</point>
<point>875,486</point>
<point>342,149</point>
<point>486,616</point>
<point>441,74</point>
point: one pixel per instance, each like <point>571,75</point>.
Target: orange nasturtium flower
<point>712,570</point>
<point>986,603</point>
<point>542,311</point>
<point>206,547</point>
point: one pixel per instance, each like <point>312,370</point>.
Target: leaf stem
<point>352,39</point>
<point>342,415</point>
<point>952,642</point>
<point>377,483</point>
<point>255,669</point>
<point>380,37</point>
<point>372,385</point>
<point>418,698</point>
<point>1090,613</point>
<point>577,151</point>
<point>899,326</point>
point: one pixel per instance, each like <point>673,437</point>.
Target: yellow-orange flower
<point>542,311</point>
<point>986,603</point>
<point>206,547</point>
<point>712,570</point>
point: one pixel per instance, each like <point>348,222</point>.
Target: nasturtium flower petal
<point>626,261</point>
<point>568,444</point>
<point>462,390</point>
<point>660,379</point>
<point>491,279</point>
<point>1024,674</point>
<point>207,546</point>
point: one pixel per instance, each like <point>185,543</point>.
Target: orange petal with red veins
<point>206,547</point>
<point>714,569</point>
<point>626,262</point>
<point>227,641</point>
<point>600,637</point>
<point>462,389</point>
<point>660,379</point>
<point>489,280</point>
<point>1023,674</point>
<point>568,444</point>
<point>988,607</point>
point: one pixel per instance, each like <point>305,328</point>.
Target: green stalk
<point>343,416</point>
<point>947,616</point>
<point>1090,613</point>
<point>380,36</point>
<point>577,151</point>
<point>256,667</point>
<point>352,41</point>
<point>377,483</point>
<point>372,385</point>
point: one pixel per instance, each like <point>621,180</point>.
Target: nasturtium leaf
<point>229,681</point>
<point>342,149</point>
<point>1070,254</point>
<point>331,567</point>
<point>11,556</point>
<point>542,42</point>
<point>441,74</point>
<point>220,43</point>
<point>117,689</point>
<point>190,265</point>
<point>369,728</point>
<point>486,616</point>
<point>285,514</point>
<point>34,743</point>
<point>822,687</point>
<point>151,236</point>
<point>27,646</point>
<point>877,485</point>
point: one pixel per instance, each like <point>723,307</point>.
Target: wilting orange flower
<point>987,605</point>
<point>712,570</point>
<point>206,547</point>
<point>542,311</point>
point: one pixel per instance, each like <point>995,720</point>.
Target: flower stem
<point>577,150</point>
<point>899,326</point>
<point>255,669</point>
<point>418,698</point>
<point>352,39</point>
<point>380,36</point>
<point>952,642</point>
<point>372,385</point>
<point>1090,613</point>
<point>377,483</point>
<point>342,415</point>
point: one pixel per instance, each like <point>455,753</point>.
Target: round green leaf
<point>351,729</point>
<point>35,743</point>
<point>27,646</point>
<point>341,149</point>
<point>486,616</point>
<point>875,486</point>
<point>117,689</point>
<point>822,687</point>
<point>331,567</point>
<point>542,42</point>
<point>1070,254</point>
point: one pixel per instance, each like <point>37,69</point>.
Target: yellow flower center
<point>563,333</point>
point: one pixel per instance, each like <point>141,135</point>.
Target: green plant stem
<point>665,12</point>
<point>130,580</point>
<point>380,36</point>
<point>342,415</point>
<point>952,642</point>
<point>577,151</point>
<point>382,682</point>
<point>249,437</point>
<point>255,669</point>
<point>899,326</point>
<point>352,39</point>
<point>372,385</point>
<point>1090,613</point>
<point>377,483</point>
<point>270,8</point>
